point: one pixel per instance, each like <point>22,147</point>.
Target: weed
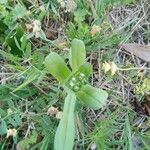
<point>31,31</point>
<point>75,84</point>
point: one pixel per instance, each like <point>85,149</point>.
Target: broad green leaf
<point>23,41</point>
<point>86,69</point>
<point>13,41</point>
<point>77,54</point>
<point>92,97</point>
<point>57,67</point>
<point>65,133</point>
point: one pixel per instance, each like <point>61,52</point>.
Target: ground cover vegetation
<point>74,75</point>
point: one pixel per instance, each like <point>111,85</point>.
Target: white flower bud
<point>59,115</point>
<point>73,79</point>
<point>71,84</point>
<point>82,74</point>
<point>11,132</point>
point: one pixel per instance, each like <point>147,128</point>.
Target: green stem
<point>126,69</point>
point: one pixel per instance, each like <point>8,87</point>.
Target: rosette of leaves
<point>75,83</point>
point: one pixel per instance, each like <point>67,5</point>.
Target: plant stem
<point>135,68</point>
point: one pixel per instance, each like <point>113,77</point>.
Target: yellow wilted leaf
<point>106,67</point>
<point>113,68</point>
<point>110,66</point>
<point>95,29</point>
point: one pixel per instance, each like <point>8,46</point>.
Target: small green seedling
<point>75,83</point>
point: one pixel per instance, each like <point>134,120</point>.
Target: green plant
<point>143,88</point>
<point>75,83</point>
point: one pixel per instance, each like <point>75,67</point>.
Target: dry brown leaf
<point>141,51</point>
<point>52,110</point>
<point>79,125</point>
<point>34,27</point>
<point>29,27</point>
